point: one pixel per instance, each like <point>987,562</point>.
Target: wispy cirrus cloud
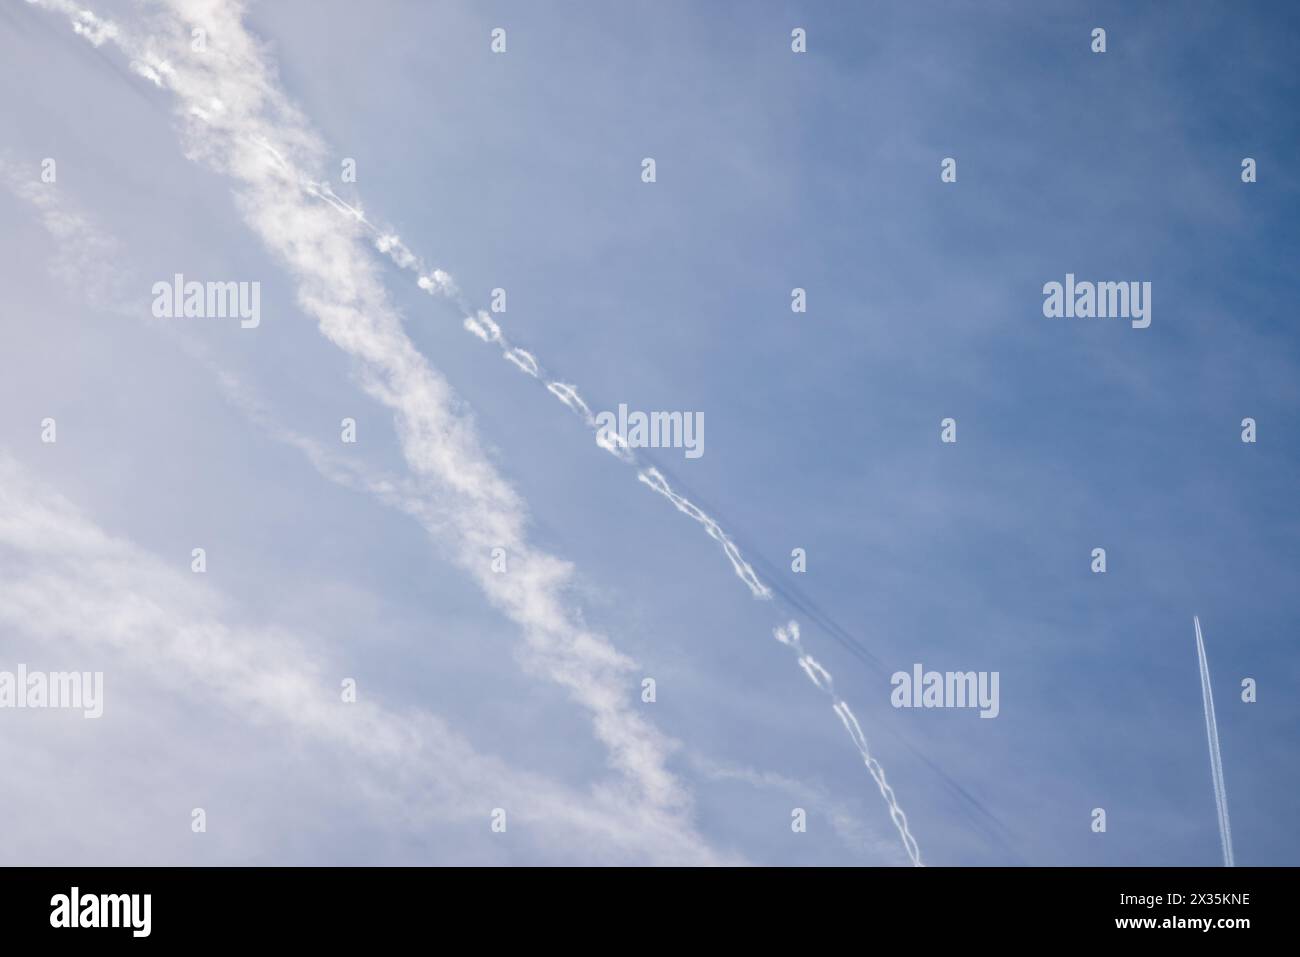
<point>68,583</point>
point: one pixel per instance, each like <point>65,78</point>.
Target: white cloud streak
<point>64,580</point>
<point>82,251</point>
<point>851,832</point>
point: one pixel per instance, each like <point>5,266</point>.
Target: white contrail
<point>479,323</point>
<point>788,635</point>
<point>1216,758</point>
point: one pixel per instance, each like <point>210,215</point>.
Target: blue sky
<point>774,170</point>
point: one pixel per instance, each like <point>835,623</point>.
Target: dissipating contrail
<point>788,635</point>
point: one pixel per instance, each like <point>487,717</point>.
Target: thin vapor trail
<point>790,595</point>
<point>478,322</point>
<point>788,635</point>
<point>1216,758</point>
